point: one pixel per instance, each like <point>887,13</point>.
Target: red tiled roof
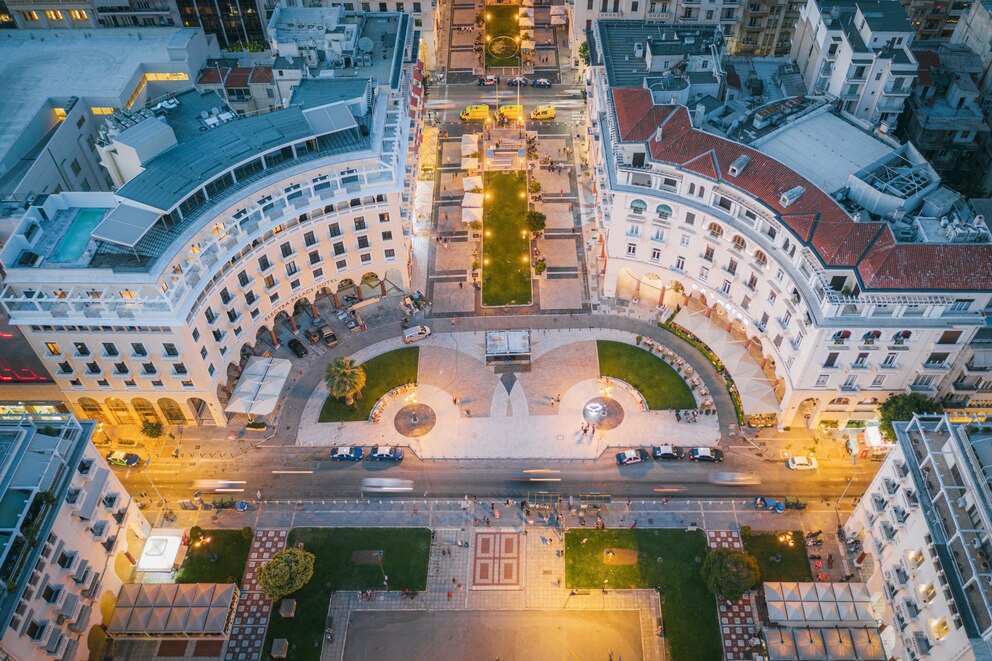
<point>238,77</point>
<point>815,218</point>
<point>926,59</point>
<point>212,75</point>
<point>261,75</point>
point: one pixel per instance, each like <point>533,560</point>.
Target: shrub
<point>535,221</point>
<point>247,533</point>
<point>151,429</point>
<point>902,407</point>
<point>286,572</point>
<point>729,573</point>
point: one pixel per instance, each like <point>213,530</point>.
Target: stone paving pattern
<point>251,619</point>
<point>737,619</point>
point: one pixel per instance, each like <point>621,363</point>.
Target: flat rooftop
<point>38,65</point>
<point>824,148</point>
<point>618,38</point>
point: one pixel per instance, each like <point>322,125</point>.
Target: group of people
<point>687,416</point>
<point>367,595</point>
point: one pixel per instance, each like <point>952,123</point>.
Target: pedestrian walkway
<point>251,619</point>
<point>737,619</point>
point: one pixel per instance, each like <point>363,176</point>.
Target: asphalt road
<point>283,473</point>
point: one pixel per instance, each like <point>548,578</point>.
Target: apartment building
<point>935,21</point>
<point>925,523</point>
<point>49,126</point>
<point>943,116</point>
<point>70,532</point>
<point>975,33</point>
<point>835,250</point>
<point>858,53</point>
<point>147,302</point>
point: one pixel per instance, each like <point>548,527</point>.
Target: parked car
<point>312,335</point>
<point>385,453</point>
<point>802,464</point>
<point>518,81</point>
<point>347,453</point>
<point>706,454</point>
<point>733,479</point>
<point>667,452</point>
<point>411,335</point>
<point>540,82</point>
<point>486,81</point>
<point>297,348</point>
<point>330,339</point>
<point>128,459</point>
<point>635,456</point>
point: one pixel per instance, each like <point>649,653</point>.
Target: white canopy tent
<point>471,215</point>
<point>470,164</point>
<point>472,201</point>
<point>471,184</point>
<point>528,46</point>
<point>423,200</point>
<point>558,10</point>
<point>526,22</point>
<point>558,20</point>
<point>258,388</point>
<point>470,144</point>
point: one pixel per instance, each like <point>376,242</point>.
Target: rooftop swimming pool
<point>77,236</point>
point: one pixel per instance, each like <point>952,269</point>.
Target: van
<point>411,335</point>
<point>330,339</point>
<point>511,112</point>
<point>543,112</point>
<point>475,113</point>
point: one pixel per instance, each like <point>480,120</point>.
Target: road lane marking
<point>292,472</point>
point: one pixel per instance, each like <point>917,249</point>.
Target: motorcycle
<point>818,565</point>
<point>815,542</point>
<point>814,556</point>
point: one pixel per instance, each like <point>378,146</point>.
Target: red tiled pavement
<point>252,616</point>
<point>736,617</point>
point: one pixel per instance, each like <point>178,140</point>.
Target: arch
<point>91,409</point>
<point>868,401</point>
<point>173,413</point>
<point>638,206</point>
<point>119,412</point>
<point>346,283</point>
<point>715,229</point>
<point>760,257</point>
<point>664,211</point>
<point>739,242</point>
<point>840,401</point>
<point>372,285</point>
<point>201,413</point>
<point>145,410</point>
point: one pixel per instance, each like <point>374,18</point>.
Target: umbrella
<point>216,620</point>
<point>158,620</point>
<point>470,164</point>
<point>867,644</point>
<point>558,10</point>
<point>526,22</point>
<point>810,644</point>
<point>472,201</point>
<point>471,215</point>
<point>839,644</point>
<point>470,147</point>
<point>776,611</point>
<point>557,20</point>
<point>773,592</point>
<point>177,620</point>
<point>790,591</point>
<point>166,595</point>
<point>184,596</point>
<point>781,644</point>
<point>470,184</point>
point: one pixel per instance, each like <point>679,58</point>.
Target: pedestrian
<point>496,514</point>
<point>492,507</point>
<point>461,285</point>
<point>634,524</point>
<point>557,399</point>
<point>593,428</point>
<point>628,504</point>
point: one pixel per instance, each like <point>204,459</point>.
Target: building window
<point>138,349</point>
<point>360,225</point>
<point>684,241</point>
<point>390,253</point>
<point>81,349</point>
<point>286,249</point>
<point>822,380</point>
<point>387,236</point>
<point>690,218</point>
<point>53,349</point>
<point>655,254</point>
<point>704,273</point>
<point>631,249</point>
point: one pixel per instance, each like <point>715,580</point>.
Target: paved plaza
<point>532,414</point>
<point>494,635</point>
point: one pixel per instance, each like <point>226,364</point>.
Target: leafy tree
<point>345,379</point>
<point>902,407</point>
<point>729,573</point>
<point>151,429</point>
<point>584,52</point>
<point>286,572</point>
<point>536,221</point>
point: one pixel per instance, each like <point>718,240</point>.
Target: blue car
<point>540,82</point>
<point>346,453</point>
<point>385,453</point>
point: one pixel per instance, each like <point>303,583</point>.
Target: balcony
<point>891,90</point>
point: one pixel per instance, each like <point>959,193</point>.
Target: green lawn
<point>405,555</point>
<point>382,374</point>
<point>795,562</point>
<point>667,559</point>
<point>505,247</point>
<point>660,384</point>
<point>231,550</point>
<point>503,23</point>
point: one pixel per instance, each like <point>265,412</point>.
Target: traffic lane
<point>319,478</point>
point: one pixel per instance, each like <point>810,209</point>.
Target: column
<point>313,309</point>
<point>709,312</point>
<point>292,322</point>
<point>334,296</point>
<point>661,297</point>
<point>382,288</point>
<point>275,342</point>
<point>358,292</point>
<point>747,344</point>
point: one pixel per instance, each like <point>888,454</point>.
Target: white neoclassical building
<point>924,523</point>
<point>833,257</point>
<point>222,232</point>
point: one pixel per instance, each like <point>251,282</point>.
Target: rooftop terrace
<point>618,40</point>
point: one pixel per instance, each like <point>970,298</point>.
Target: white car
<point>802,464</point>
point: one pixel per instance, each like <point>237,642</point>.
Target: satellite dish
<point>365,45</point>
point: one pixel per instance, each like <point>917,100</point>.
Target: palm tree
<point>345,379</point>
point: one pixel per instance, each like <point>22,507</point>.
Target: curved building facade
<point>224,237</point>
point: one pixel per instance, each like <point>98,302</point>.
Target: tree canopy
<point>584,52</point>
<point>345,379</point>
<point>536,221</point>
<point>729,573</point>
<point>902,407</point>
<point>286,572</point>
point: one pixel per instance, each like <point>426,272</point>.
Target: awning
<point>472,184</point>
<point>781,644</point>
<point>471,215</point>
<point>258,388</point>
<point>330,119</point>
<point>126,225</point>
